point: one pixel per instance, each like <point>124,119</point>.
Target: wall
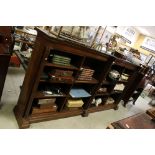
<point>121,31</point>
<point>138,43</point>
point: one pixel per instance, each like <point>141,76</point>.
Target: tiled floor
<point>93,121</point>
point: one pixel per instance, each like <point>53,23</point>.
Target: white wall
<point>122,29</point>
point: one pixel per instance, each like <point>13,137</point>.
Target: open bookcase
<point>58,66</point>
<point>6,45</point>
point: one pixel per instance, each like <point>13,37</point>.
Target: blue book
<point>78,93</point>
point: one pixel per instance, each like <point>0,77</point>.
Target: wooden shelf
<point>125,64</point>
<point>41,95</point>
<point>72,109</point>
<point>54,115</point>
<point>102,94</point>
<point>71,67</point>
<point>104,82</point>
<point>116,92</point>
<point>93,81</point>
<point>134,93</point>
<point>56,81</point>
<point>122,81</point>
<point>101,107</point>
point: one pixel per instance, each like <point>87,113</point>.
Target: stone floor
<point>98,120</point>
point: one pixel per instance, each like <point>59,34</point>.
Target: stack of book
<point>62,75</point>
<point>45,106</point>
<point>102,90</point>
<point>46,102</point>
<point>78,93</point>
<point>119,87</point>
<point>61,60</point>
<point>86,74</point>
<point>124,77</point>
<point>59,72</point>
<point>75,103</point>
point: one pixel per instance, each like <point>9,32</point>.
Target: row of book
<point>61,60</point>
<point>61,75</point>
<point>45,106</point>
<point>86,74</point>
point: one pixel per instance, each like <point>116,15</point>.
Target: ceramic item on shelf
<point>110,100</point>
<point>47,92</point>
<point>114,74</point>
<point>124,77</point>
<point>98,101</point>
<point>131,98</point>
<point>102,90</point>
<point>119,87</point>
<point>93,101</point>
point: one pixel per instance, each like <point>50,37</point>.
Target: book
<point>37,110</point>
<point>78,93</point>
<point>74,103</point>
<point>47,101</point>
<point>59,72</point>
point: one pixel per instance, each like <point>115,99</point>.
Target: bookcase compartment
<point>95,65</point>
<point>46,89</point>
<point>64,59</point>
<point>58,75</point>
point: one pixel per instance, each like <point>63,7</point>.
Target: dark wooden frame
<point>44,42</point>
<point>6,45</point>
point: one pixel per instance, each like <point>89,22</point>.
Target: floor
<point>98,120</point>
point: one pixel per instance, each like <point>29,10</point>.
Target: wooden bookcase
<point>6,45</point>
<point>80,56</point>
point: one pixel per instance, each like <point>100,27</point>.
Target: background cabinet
<point>6,45</point>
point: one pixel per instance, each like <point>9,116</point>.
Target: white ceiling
<point>146,30</point>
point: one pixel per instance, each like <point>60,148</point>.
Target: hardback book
<point>47,101</point>
<point>78,93</point>
<point>59,72</point>
<point>38,110</point>
<point>44,106</point>
<point>85,79</point>
<point>75,103</point>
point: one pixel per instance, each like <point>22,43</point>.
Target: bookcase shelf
<point>93,81</point>
<point>41,95</point>
<point>71,67</point>
<point>116,92</point>
<point>102,94</point>
<point>104,82</point>
<point>122,81</point>
<point>80,57</point>
<point>57,81</point>
<point>101,107</point>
